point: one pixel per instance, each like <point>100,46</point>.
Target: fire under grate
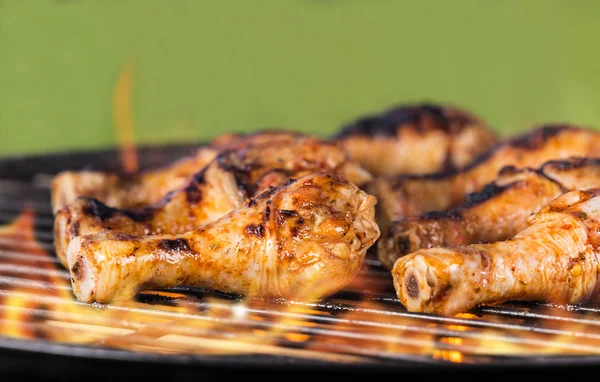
<point>362,325</point>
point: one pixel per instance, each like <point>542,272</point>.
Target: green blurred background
<point>204,67</point>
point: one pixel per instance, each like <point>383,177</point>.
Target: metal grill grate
<point>364,324</point>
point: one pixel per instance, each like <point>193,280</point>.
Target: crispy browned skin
<point>221,187</point>
<point>574,173</point>
<point>405,196</point>
<point>147,187</point>
<point>497,212</point>
<point>555,259</point>
<point>417,139</point>
<point>127,191</point>
<point>303,240</point>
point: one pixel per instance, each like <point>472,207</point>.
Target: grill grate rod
<point>22,256</point>
<point>42,222</point>
<point>215,342</point>
<point>391,327</point>
<point>18,282</point>
<point>488,310</point>
<point>12,205</point>
<point>17,243</point>
<point>359,323</point>
<point>179,329</point>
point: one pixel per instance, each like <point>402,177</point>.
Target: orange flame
<point>49,281</point>
<point>122,112</point>
<point>361,324</point>
<point>38,304</point>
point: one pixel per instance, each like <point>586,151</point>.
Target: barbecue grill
<point>187,331</point>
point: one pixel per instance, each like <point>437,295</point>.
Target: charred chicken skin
<point>498,212</point>
<point>303,240</point>
<point>405,196</point>
<point>416,139</point>
<point>147,187</point>
<point>127,191</point>
<point>555,259</point>
<point>221,187</point>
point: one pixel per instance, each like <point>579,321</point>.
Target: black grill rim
<point>24,167</point>
<point>67,353</point>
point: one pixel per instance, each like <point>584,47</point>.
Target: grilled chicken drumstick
<point>416,139</point>
<point>405,196</point>
<point>555,259</point>
<point>305,239</point>
<point>221,187</point>
<point>498,212</point>
<point>147,187</point>
<point>127,191</point>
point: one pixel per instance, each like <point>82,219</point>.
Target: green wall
<point>204,67</point>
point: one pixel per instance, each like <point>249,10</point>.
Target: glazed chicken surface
<point>219,188</point>
<point>464,217</point>
<point>555,259</point>
<point>303,240</point>
<point>416,139</point>
<point>147,187</point>
<point>406,196</point>
<point>498,212</point>
<point>127,191</point>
